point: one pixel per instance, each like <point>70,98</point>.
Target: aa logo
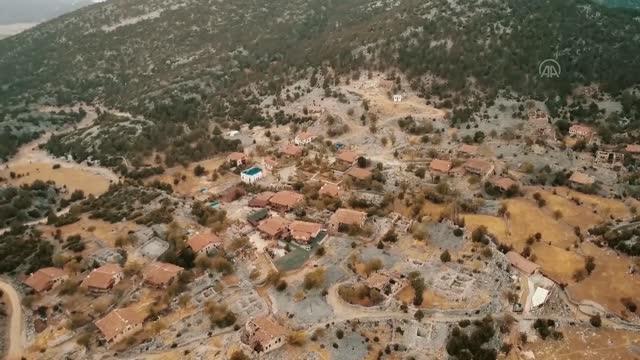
<point>549,69</point>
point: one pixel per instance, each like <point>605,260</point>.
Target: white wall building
<point>251,175</point>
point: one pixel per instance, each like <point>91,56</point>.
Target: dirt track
<point>16,323</point>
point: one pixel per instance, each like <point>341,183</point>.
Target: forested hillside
<point>135,55</point>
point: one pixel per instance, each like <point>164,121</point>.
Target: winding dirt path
<point>16,331</point>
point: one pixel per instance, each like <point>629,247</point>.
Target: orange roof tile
<point>348,217</point>
<point>286,198</point>
<point>580,129</point>
<point>478,165</point>
<point>116,322</point>
<point>305,135</point>
<point>504,183</point>
<point>160,273</point>
<point>41,279</point>
<point>102,277</point>
<point>303,230</point>
<point>347,156</point>
<point>329,189</point>
<point>468,149</point>
<point>273,226</point>
<point>267,329</point>
<point>359,173</point>
<point>291,150</point>
<point>522,264</point>
<point>581,178</point>
<point>237,156</point>
<point>633,148</point>
<point>202,240</point>
<point>442,166</point>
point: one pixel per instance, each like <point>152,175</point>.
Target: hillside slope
<point>124,50</point>
<point>134,55</point>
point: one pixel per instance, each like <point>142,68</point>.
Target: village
<point>373,231</point>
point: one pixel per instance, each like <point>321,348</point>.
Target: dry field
<point>572,214</point>
<point>556,252</point>
<point>433,300</point>
<point>495,225</point>
<point>587,344</point>
<point>74,178</point>
<point>593,209</point>
<point>90,228</point>
<point>609,282</point>
<point>526,219</point>
<point>191,184</point>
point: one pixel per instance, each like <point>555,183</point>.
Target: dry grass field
<point>556,252</point>
<point>90,228</point>
<point>496,226</point>
<point>526,219</point>
<point>587,343</point>
<point>191,183</point>
<point>436,301</point>
<point>73,178</point>
<point>609,282</point>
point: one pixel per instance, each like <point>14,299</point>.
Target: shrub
<point>629,304</point>
<point>445,256</point>
<point>314,279</point>
<point>281,285</point>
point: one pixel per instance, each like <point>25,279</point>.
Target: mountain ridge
<point>137,56</point>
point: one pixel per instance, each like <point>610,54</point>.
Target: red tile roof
<point>291,150</point>
<point>347,156</point>
<point>273,226</point>
<point>160,273</point>
<point>468,149</point>
<point>41,280</point>
<point>266,329</point>
<point>582,130</point>
<point>261,200</point>
<point>359,173</point>
<point>478,166</point>
<point>237,156</point>
<point>303,230</point>
<point>305,135</point>
<point>516,260</point>
<point>633,148</point>
<point>202,240</point>
<point>504,183</point>
<point>117,321</point>
<point>581,178</point>
<point>348,217</point>
<point>329,189</point>
<point>103,277</point>
<point>442,166</point>
<point>286,198</point>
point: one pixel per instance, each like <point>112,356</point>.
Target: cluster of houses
<point>303,232</point>
<point>119,323</point>
<point>472,165</point>
<point>270,220</point>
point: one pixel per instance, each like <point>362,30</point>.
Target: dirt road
<point>17,336</point>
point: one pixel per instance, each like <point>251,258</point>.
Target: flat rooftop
<point>253,171</point>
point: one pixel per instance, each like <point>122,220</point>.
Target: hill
<point>190,60</point>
